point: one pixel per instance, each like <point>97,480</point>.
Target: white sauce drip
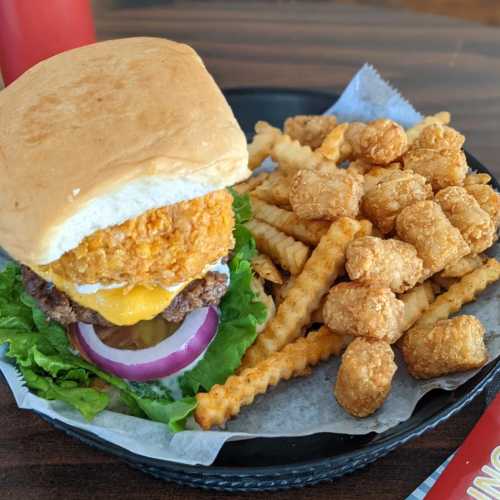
<point>95,287</point>
<point>219,267</point>
<point>172,381</point>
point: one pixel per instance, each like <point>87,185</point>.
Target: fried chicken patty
<point>58,306</point>
<point>163,246</point>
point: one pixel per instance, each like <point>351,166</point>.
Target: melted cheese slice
<point>113,304</point>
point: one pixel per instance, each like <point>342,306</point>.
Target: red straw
<point>33,30</point>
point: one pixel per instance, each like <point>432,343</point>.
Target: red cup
<point>33,30</point>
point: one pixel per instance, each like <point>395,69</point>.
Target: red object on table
<point>474,471</point>
<point>33,30</point>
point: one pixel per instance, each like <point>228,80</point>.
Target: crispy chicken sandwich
<point>114,162</point>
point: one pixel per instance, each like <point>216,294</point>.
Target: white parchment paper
<point>301,406</point>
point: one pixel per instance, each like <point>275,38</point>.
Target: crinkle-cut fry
<point>225,401</point>
<point>258,287</point>
<point>281,191</point>
<point>309,287</point>
<point>266,269</point>
<point>429,291</point>
<point>437,289</point>
<point>263,141</point>
<point>275,190</point>
<point>317,315</point>
<point>287,252</point>
<point>416,301</point>
<point>479,178</point>
<point>463,266</point>
<point>281,291</point>
<point>461,293</point>
<point>334,147</point>
<point>292,156</point>
<point>442,117</point>
<point>309,232</point>
<point>443,283</point>
<point>309,130</point>
<point>251,183</point>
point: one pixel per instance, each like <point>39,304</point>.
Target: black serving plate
<point>279,463</point>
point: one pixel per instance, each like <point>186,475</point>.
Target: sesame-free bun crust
<point>100,134</point>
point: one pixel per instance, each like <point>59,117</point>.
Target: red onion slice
<point>166,358</point>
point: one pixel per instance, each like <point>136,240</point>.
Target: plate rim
<point>492,370</point>
<point>272,477</point>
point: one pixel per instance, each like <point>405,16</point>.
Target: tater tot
<point>488,199</point>
<point>425,226</point>
<point>464,212</point>
<point>443,117</point>
<point>383,203</point>
<point>383,141</point>
<point>439,137</point>
<point>364,311</point>
<point>365,376</point>
<point>451,345</point>
<point>380,141</point>
<point>376,174</point>
<point>388,263</point>
<point>441,168</point>
<point>315,196</point>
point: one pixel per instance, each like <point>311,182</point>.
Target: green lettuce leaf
<point>241,312</point>
<point>43,354</point>
<point>173,413</point>
<point>241,207</point>
<point>89,402</point>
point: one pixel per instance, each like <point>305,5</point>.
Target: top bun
<point>100,134</point>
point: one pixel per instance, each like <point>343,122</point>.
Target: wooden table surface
<point>437,63</point>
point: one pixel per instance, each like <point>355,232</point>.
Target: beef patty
<point>59,307</point>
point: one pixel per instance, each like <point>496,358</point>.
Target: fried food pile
<point>370,237</point>
<point>164,246</point>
